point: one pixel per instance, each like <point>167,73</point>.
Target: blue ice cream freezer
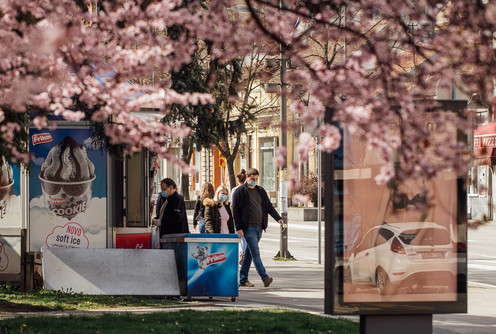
<point>207,264</point>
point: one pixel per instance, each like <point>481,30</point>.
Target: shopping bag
<point>155,237</point>
<point>158,221</point>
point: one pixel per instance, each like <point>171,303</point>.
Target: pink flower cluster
<point>379,88</point>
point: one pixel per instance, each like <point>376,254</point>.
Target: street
<point>300,284</point>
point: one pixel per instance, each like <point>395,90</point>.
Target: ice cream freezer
<point>207,264</point>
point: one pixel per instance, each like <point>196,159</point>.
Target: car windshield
<point>425,236</point>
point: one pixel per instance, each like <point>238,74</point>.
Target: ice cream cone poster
<point>4,259</point>
<point>67,190</point>
<point>10,255</point>
<point>10,199</point>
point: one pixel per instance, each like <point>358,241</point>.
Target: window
<point>426,237</point>
<point>383,236</point>
<point>478,177</point>
<point>134,191</point>
<point>268,167</point>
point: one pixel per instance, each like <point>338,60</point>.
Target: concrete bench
<point>111,271</point>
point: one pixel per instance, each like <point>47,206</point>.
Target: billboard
<point>10,254</point>
<point>399,247</point>
<point>10,195</point>
<point>67,190</point>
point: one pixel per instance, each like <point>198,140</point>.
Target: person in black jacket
<point>251,207</point>
<point>199,214</point>
<point>218,216</point>
<point>174,219</point>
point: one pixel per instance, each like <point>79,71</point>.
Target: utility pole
<point>283,172</point>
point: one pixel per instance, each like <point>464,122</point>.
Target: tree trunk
<point>187,147</point>
<point>230,156</point>
<point>230,171</point>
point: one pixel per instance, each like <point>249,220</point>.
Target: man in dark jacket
<point>174,219</point>
<point>251,207</point>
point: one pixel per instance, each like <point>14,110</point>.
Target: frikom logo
<point>216,258</point>
<point>58,201</point>
<point>41,138</point>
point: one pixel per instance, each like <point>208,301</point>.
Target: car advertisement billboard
<point>67,190</point>
<point>399,246</point>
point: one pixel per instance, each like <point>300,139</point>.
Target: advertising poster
<point>399,245</point>
<point>10,255</point>
<point>10,195</point>
<point>67,190</point>
<point>212,269</point>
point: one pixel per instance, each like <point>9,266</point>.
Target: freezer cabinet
<point>207,264</point>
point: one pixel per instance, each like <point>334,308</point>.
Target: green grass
<point>46,300</point>
<point>227,321</point>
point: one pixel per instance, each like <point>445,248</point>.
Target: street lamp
<point>283,173</point>
<point>283,139</point>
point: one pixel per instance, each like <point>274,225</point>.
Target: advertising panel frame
<point>69,227</point>
<point>337,271</point>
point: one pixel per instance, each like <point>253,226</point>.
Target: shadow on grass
<point>7,306</point>
<point>186,321</point>
<point>46,300</point>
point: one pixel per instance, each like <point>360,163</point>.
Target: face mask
<point>222,197</point>
<point>252,183</point>
<point>164,194</point>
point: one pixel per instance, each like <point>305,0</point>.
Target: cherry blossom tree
<point>390,57</point>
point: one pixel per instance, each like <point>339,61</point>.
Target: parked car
<point>414,254</point>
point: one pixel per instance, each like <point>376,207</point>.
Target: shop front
<point>481,174</point>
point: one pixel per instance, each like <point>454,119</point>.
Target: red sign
<point>216,258</point>
<point>133,241</point>
<point>488,141</point>
<point>41,138</point>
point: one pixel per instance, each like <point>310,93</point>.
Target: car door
<point>363,259</point>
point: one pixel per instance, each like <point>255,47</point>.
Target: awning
<point>485,144</point>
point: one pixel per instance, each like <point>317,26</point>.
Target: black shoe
<point>247,283</point>
<point>267,281</point>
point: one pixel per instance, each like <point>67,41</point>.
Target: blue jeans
<point>252,236</point>
<point>201,226</point>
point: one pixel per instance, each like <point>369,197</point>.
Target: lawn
<point>12,300</point>
<point>185,321</point>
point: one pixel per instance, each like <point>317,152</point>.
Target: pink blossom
<point>331,138</point>
<point>64,54</point>
<point>305,144</point>
<point>280,158</point>
<point>300,199</point>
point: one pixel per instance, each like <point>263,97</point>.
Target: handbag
<point>155,237</point>
<point>158,221</point>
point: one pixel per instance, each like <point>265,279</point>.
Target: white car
<point>394,255</point>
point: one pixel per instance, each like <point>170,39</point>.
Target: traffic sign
<point>222,161</point>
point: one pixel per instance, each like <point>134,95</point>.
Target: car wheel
<point>383,283</point>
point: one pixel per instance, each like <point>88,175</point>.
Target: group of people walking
<point>246,215</point>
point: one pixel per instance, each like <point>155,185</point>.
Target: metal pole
<point>283,199</point>
<point>319,194</point>
<point>283,135</point>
